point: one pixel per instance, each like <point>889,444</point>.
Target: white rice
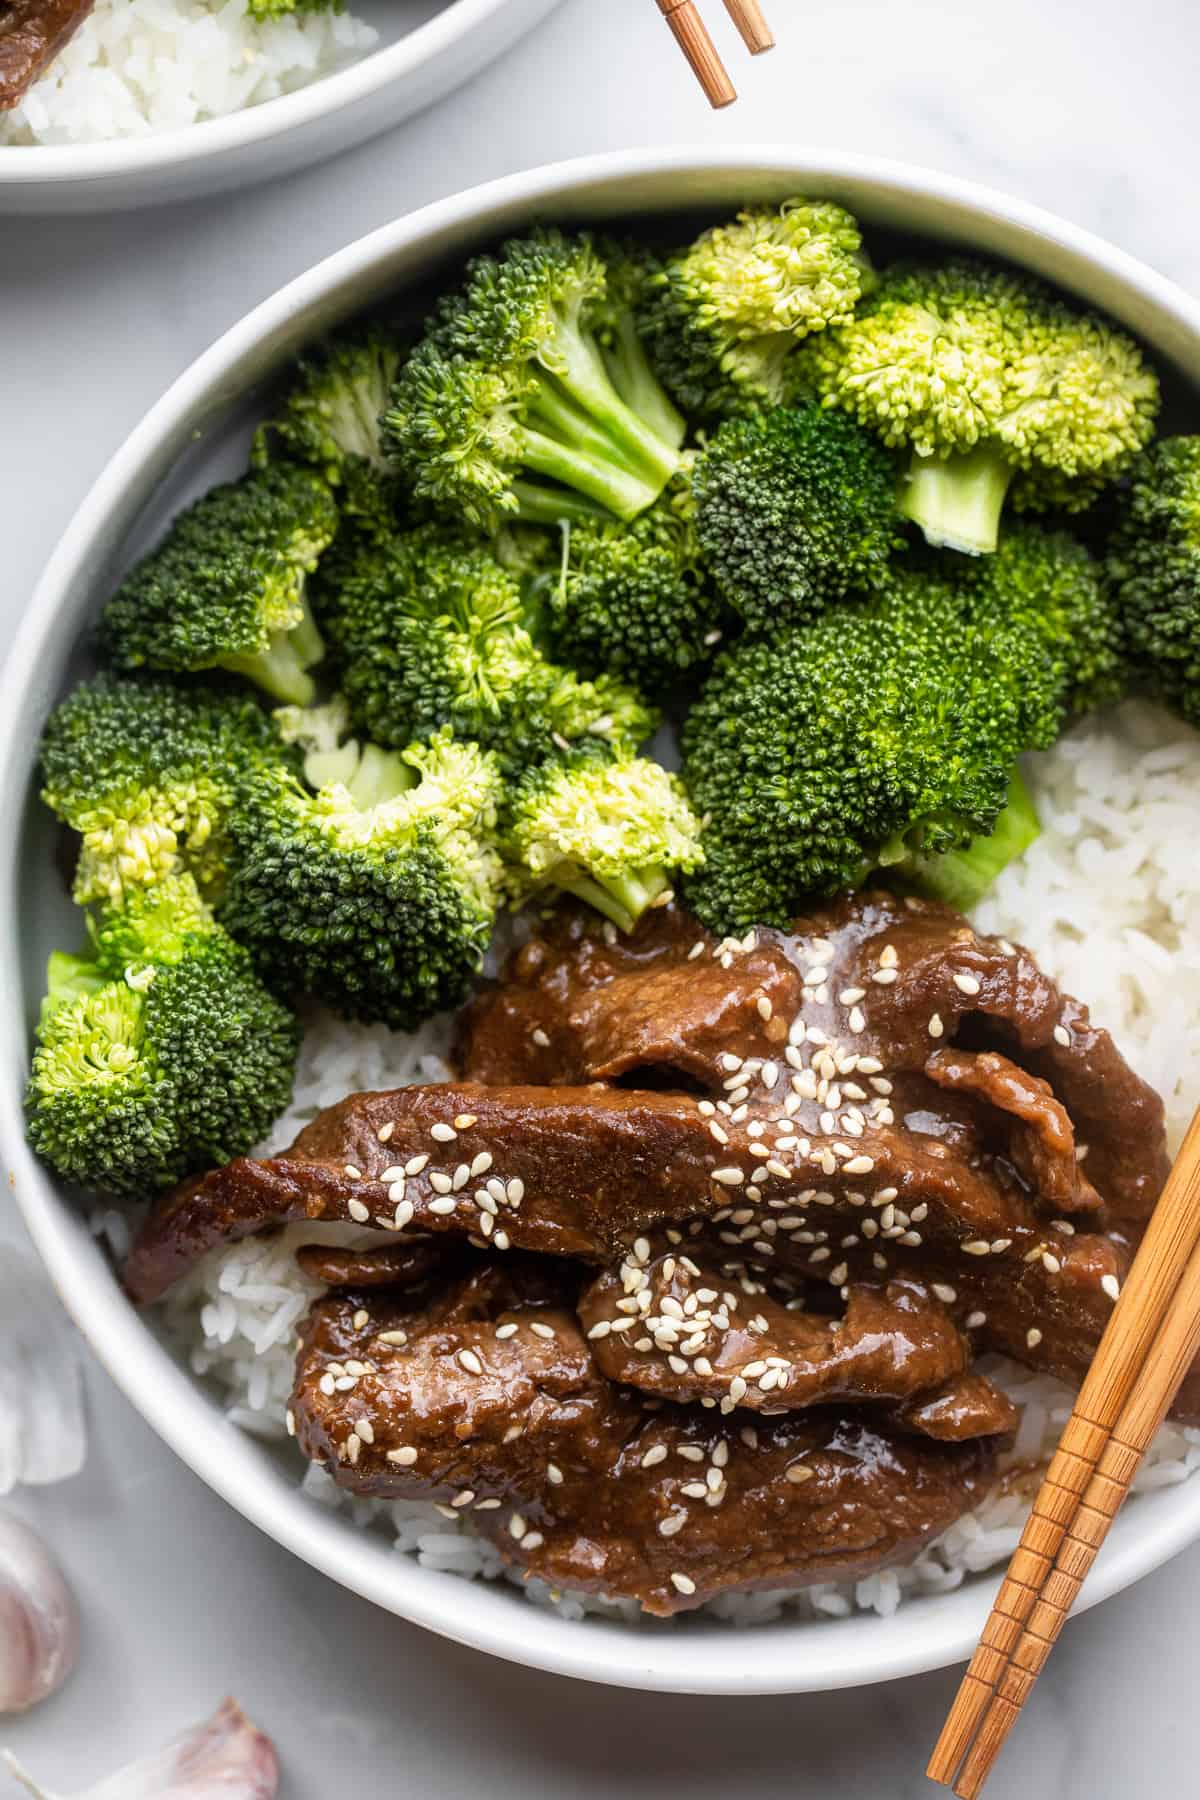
<point>1108,900</point>
<point>140,66</point>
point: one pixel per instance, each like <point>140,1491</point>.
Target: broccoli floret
<point>282,9</point>
<point>1154,569</point>
<point>227,586</point>
<point>610,831</point>
<point>382,907</point>
<point>888,730</point>
<point>795,508</point>
<point>984,375</point>
<point>429,629</point>
<point>633,600</point>
<point>160,1054</point>
<point>510,382</point>
<point>722,318</point>
<point>330,419</point>
<point>147,774</point>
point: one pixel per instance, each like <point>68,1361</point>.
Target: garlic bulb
<point>41,1385</point>
<point>225,1758</point>
<point>39,1623</point>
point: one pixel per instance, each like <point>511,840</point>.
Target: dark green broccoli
<point>629,599</point>
<point>376,895</point>
<point>330,419</point>
<point>510,382</point>
<point>722,318</point>
<point>147,774</point>
<point>226,588</point>
<point>158,1055</point>
<point>889,729</point>
<point>429,629</point>
<point>1154,569</point>
<point>985,375</point>
<point>609,830</point>
<point>794,508</point>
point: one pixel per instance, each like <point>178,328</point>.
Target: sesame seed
<point>482,1163</point>
<point>976,1247</point>
<point>682,1583</point>
<point>675,1522</point>
<point>975,1320</point>
<point>385,1131</point>
<point>508,1330</point>
<point>695,1490</point>
<point>657,1453</point>
<point>858,1019</point>
<point>365,1430</point>
<point>358,1212</point>
<point>799,1473</point>
<point>696,950</point>
<point>540,1330</point>
<point>1062,1036</point>
<point>999,1245</point>
<point>936,1027</point>
<point>1111,1286</point>
<point>465,1121</point>
<point>533,1540</point>
<point>966,984</point>
<point>852,995</point>
<point>1033,1337</point>
<point>445,1134</point>
<point>403,1214</point>
<point>415,1164</point>
<point>463,1499</point>
<point>514,1193</point>
<point>1051,1263</point>
<point>440,1183</point>
<point>729,1177</point>
<point>354,1173</point>
<point>443,1207</point>
<point>945,1293</point>
<point>353,1446</point>
<point>405,1457</point>
<point>461,1177</point>
<point>393,1337</point>
<point>516,1526</point>
<point>470,1362</point>
<point>860,1165</point>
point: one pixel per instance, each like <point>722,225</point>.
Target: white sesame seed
<point>403,1214</point>
<point>554,1475</point>
<point>860,1165</point>
<point>406,1456</point>
<point>975,1320</point>
<point>465,1121</point>
<point>682,1583</point>
<point>799,1473</point>
<point>1033,1337</point>
<point>945,1292</point>
<point>516,1526</point>
<point>675,1522</point>
<point>936,1028</point>
<point>385,1131</point>
<point>353,1446</point>
<point>415,1164</point>
<point>482,1163</point>
<point>445,1134</point>
<point>353,1172</point>
<point>1062,1036</point>
<point>729,1177</point>
<point>1111,1286</point>
<point>600,1329</point>
<point>289,1420</point>
<point>470,1362</point>
<point>540,1330</point>
<point>976,1247</point>
<point>514,1193</point>
<point>507,1330</point>
<point>358,1212</point>
<point>443,1207</point>
<point>697,949</point>
<point>1051,1263</point>
<point>657,1453</point>
<point>999,1245</point>
<point>883,977</point>
<point>440,1183</point>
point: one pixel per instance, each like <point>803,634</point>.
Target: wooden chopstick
<point>747,15</point>
<point>691,34</point>
<point>1126,1358</point>
<point>1164,1370</point>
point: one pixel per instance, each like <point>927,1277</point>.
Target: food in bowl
<point>793,1110</point>
<point>87,71</point>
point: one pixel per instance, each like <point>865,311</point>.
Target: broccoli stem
<point>618,490</point>
<point>960,878</point>
<point>67,977</point>
<point>621,898</point>
<point>630,372</point>
<point>554,506</point>
<point>381,776</point>
<point>583,378</point>
<point>957,500</point>
<point>281,670</point>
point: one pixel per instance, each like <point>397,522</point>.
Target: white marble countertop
<point>1090,111</point>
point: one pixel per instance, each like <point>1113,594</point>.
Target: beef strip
<point>393,1265</point>
<point>487,1398</point>
<point>891,1344</point>
<point>32,32</point>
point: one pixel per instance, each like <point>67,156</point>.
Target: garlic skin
<point>39,1621</point>
<point>224,1758</point>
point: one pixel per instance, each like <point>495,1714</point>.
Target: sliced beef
<point>488,1400</point>
<point>32,32</point>
<point>1041,1140</point>
<point>392,1265</point>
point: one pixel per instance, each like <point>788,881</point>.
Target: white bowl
<point>183,443</point>
<point>410,69</point>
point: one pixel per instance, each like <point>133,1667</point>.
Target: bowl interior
<point>198,434</point>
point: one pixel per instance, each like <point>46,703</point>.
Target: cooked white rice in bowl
<point>141,66</point>
<point>1108,901</point>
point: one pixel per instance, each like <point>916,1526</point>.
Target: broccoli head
<point>511,382</point>
<point>375,895</point>
<point>984,376</point>
<point>608,830</point>
<point>428,629</point>
<point>633,600</point>
<point>161,1053</point>
<point>1154,569</point>
<point>722,318</point>
<point>226,588</point>
<point>794,508</point>
<point>887,731</point>
<point>147,774</point>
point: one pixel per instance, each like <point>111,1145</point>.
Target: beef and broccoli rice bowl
<point>638,970</point>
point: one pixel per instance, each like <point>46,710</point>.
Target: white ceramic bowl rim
<point>777,1658</point>
<point>29,164</point>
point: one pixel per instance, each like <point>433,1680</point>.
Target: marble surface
<point>1089,110</point>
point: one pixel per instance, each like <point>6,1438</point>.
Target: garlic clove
<point>224,1758</point>
<point>39,1621</point>
<point>42,1436</point>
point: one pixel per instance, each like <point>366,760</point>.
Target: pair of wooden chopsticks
<point>691,34</point>
<point>1147,1349</point>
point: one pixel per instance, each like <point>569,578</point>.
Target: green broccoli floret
<point>227,586</point>
<point>330,419</point>
<point>429,629</point>
<point>281,9</point>
<point>382,907</point>
<point>888,730</point>
<point>722,318</point>
<point>160,1054</point>
<point>1154,569</point>
<point>795,508</point>
<point>610,831</point>
<point>147,774</point>
<point>984,375</point>
<point>634,600</point>
<point>510,382</point>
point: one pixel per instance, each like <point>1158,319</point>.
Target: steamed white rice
<point>139,66</point>
<point>1108,900</point>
